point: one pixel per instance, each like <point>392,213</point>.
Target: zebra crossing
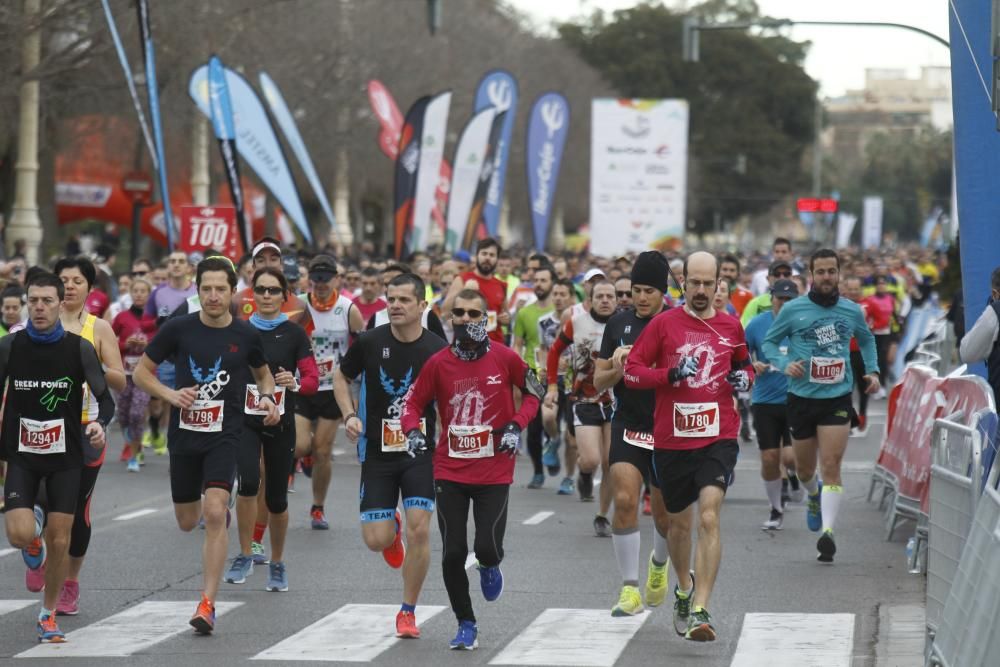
<point>364,632</point>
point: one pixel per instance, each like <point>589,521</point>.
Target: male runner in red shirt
<point>483,280</point>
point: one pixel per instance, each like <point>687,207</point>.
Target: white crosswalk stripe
<point>131,631</point>
<point>795,640</point>
<point>353,633</point>
<point>8,606</point>
<point>583,637</point>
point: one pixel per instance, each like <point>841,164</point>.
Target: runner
<point>591,408</point>
<point>623,293</point>
<point>474,457</point>
<point>631,455</point>
<point>429,320</point>
<point>770,414</point>
<point>133,331</point>
<point>12,302</point>
<point>388,359</point>
<point>483,280</point>
<point>206,422</point>
<point>853,291</point>
<point>333,318</point>
<point>553,417</point>
<point>729,271</point>
<point>287,349</point>
<point>818,362</point>
<point>47,368</point>
<point>267,253</point>
<point>370,300</point>
<point>694,357</point>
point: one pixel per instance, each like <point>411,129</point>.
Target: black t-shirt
<point>284,346</point>
<point>388,368</point>
<point>633,407</point>
<point>433,322</point>
<point>217,361</point>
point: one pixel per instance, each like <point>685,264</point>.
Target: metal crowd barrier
<point>968,633</point>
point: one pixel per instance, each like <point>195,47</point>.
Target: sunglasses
<point>273,291</point>
<point>783,274</point>
<point>623,294</point>
<point>473,313</point>
<point>139,274</point>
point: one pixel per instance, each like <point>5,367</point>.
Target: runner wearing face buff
<point>472,382</point>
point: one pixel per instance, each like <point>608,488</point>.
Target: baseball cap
<point>463,256</point>
<point>266,243</point>
<point>785,289</point>
<point>777,264</point>
<point>322,268</point>
<point>593,273</point>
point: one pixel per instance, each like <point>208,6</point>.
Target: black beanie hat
<point>651,268</point>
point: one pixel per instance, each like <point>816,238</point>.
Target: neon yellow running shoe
<point>656,583</point>
<point>160,444</point>
<point>629,602</point>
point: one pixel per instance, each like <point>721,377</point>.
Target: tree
<point>752,104</point>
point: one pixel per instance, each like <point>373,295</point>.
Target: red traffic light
<point>816,205</point>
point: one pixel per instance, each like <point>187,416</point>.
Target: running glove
<point>686,367</point>
<point>416,442</point>
<point>740,380</point>
<point>510,438</point>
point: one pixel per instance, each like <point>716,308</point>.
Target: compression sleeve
<point>562,341</point>
<point>308,375</point>
<point>98,385</point>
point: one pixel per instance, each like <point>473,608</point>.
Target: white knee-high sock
<point>627,544</point>
<point>830,505</point>
<point>660,552</point>
<point>811,485</point>
<point>773,489</point>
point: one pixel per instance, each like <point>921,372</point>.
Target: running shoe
<point>241,568</point>
<point>277,578</point>
<point>147,438</point>
<point>201,522</point>
<point>467,638</point>
<point>133,465</point>
<point>307,466</point>
<point>291,483</point>
<point>585,485</point>
<point>491,581</point>
<point>34,554</point>
<point>257,553</point>
<point>69,599</point>
<point>629,602</point>
<point>319,521</point>
<point>406,625</point>
<point>797,492</point>
<point>826,547</point>
<point>160,444</point>
<point>602,527</point>
<point>395,553</point>
<point>550,456</point>
<point>34,580</point>
<point>647,505</point>
<point>657,579</point>
<point>745,432</point>
<point>126,454</point>
<point>141,457</point>
<point>536,481</point>
<point>682,608</point>
<point>700,627</point>
<point>566,487</point>
<point>775,521</point>
<point>48,630</point>
<point>203,620</point>
<point>814,515</point>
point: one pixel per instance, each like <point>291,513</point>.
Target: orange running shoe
<point>203,620</point>
<point>49,632</point>
<point>406,625</point>
<point>396,552</point>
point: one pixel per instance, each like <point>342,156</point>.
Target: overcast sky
<point>839,55</point>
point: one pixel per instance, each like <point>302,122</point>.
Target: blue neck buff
<point>53,335</point>
<point>268,325</point>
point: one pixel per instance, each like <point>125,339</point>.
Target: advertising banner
<point>433,135</point>
<point>468,166</point>
<point>638,173</point>
<point>475,226</point>
<point>497,89</point>
<point>407,162</point>
<point>871,225</point>
<point>845,227</point>
<point>225,132</point>
<point>204,227</point>
<point>548,126</point>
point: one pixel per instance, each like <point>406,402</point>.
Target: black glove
<point>416,442</point>
<point>739,379</point>
<point>686,367</point>
<point>510,438</point>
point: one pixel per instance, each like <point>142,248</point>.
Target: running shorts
<point>383,481</point>
<point>627,452</point>
<point>190,474</point>
<point>805,414</point>
<point>20,490</point>
<point>681,474</point>
<point>591,414</point>
<point>770,420</point>
<point>321,405</point>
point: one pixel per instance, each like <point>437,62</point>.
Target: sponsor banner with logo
<point>638,173</point>
<point>407,161</point>
<point>204,227</point>
<point>871,225</point>
<point>845,227</point>
<point>431,149</point>
<point>548,126</point>
<point>225,131</point>
<point>497,89</point>
<point>475,226</point>
<point>256,141</point>
<point>279,109</point>
<point>468,165</point>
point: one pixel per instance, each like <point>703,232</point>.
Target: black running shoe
<point>826,547</point>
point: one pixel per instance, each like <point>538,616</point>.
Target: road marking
<point>470,560</point>
<point>8,551</point>
<point>536,519</point>
<point>795,640</point>
<point>901,634</point>
<point>353,633</point>
<point>556,637</point>
<point>135,515</point>
<point>8,606</point>
<point>846,466</point>
<point>133,630</point>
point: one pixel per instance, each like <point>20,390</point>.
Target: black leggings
<point>535,442</point>
<point>278,444</point>
<point>80,535</point>
<point>858,369</point>
<point>489,513</point>
<point>882,344</point>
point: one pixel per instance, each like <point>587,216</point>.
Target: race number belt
<point>202,417</point>
<point>252,403</point>
<point>470,442</point>
<point>393,438</point>
<point>491,320</point>
<point>131,361</point>
<point>42,437</point>
<point>696,420</point>
<point>827,370</point>
<point>639,439</point>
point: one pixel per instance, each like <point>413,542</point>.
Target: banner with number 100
<point>204,227</point>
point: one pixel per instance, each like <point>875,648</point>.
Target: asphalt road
<point>770,589</point>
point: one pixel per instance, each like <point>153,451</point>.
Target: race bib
<point>639,439</point>
<point>470,442</point>
<point>696,420</point>
<point>326,367</point>
<point>393,438</point>
<point>491,320</point>
<point>202,417</point>
<point>251,405</point>
<point>42,437</point>
<point>131,362</point>
<point>827,370</point>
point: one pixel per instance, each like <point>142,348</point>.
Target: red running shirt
<point>699,410</point>
<point>495,291</point>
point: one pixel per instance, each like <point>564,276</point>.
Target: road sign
<point>138,185</point>
<point>204,227</point>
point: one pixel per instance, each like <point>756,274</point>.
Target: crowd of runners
<point>629,382</point>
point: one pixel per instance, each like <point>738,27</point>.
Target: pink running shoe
<point>35,579</point>
<point>69,599</point>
